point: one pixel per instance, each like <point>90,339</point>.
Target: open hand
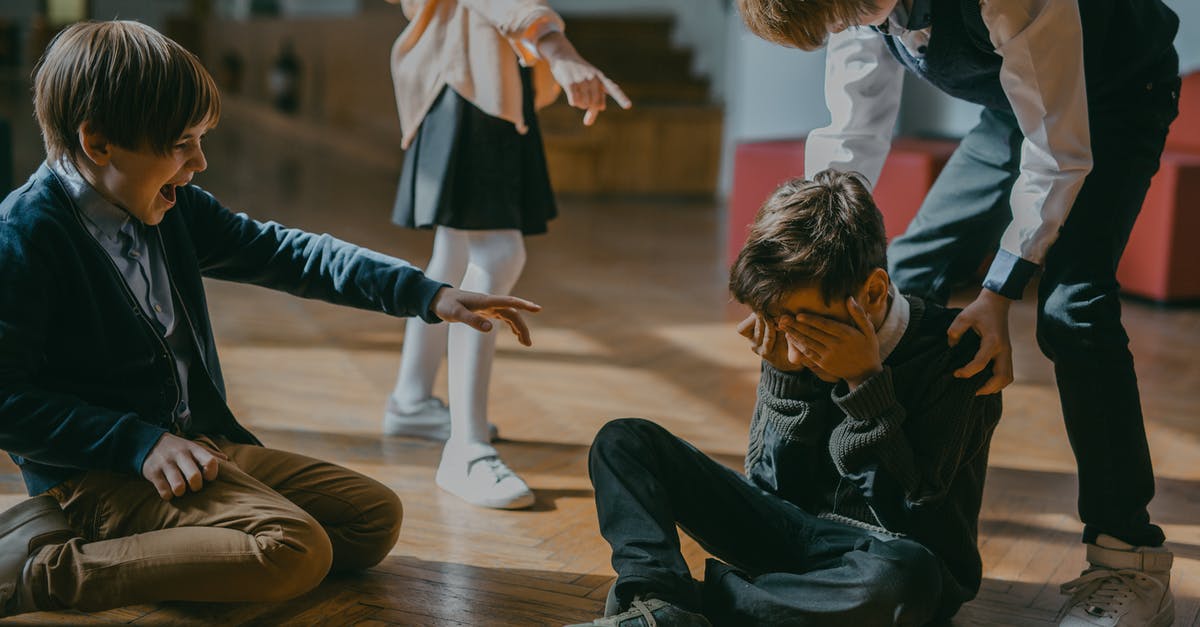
<point>988,316</point>
<point>473,309</point>
<point>177,464</point>
<point>586,87</point>
<point>843,351</point>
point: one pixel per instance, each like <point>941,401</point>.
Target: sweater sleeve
<point>787,431</point>
<point>233,247</point>
<point>907,458</point>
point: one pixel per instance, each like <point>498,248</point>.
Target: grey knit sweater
<point>904,453</point>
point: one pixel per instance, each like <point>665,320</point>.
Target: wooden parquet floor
<point>636,323</point>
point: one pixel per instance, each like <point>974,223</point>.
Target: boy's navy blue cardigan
<point>86,383</point>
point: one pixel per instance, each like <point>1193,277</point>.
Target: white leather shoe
<point>1126,586</point>
<point>476,474</point>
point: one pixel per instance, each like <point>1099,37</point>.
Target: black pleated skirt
<point>468,170</point>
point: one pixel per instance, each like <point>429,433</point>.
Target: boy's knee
<point>370,539</point>
<point>623,435</point>
<point>624,432</point>
<point>294,561</point>
<point>905,578</point>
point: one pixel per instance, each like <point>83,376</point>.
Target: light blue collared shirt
<point>136,251</point>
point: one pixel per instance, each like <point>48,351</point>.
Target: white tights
<point>478,261</point>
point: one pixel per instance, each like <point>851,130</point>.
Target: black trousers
<point>1079,310</point>
<point>785,566</point>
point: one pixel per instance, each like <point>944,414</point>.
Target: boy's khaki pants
<point>267,529</point>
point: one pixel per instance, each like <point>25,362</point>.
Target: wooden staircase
<point>670,142</point>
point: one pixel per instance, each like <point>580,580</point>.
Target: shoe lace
<point>1101,591</point>
<point>638,609</point>
<point>495,467</point>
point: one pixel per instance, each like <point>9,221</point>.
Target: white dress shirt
<point>1042,75</point>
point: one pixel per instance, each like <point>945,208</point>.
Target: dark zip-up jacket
<point>86,382</point>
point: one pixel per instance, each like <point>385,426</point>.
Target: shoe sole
<point>524,502</point>
<point>1165,617</point>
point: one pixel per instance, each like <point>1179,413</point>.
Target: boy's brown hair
<point>136,86</point>
<point>824,233</point>
<point>804,24</point>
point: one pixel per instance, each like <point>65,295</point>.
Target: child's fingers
<point>808,339</point>
<point>617,94</point>
<point>471,319</point>
<point>957,328</point>
<point>489,301</point>
<point>595,93</point>
<point>745,328</point>
<point>589,117</point>
<point>828,327</point>
<point>987,351</point>
<point>209,466</point>
<point>795,354</point>
<point>159,481</point>
<point>516,323</point>
<point>175,480</point>
<point>809,330</point>
<point>859,316</point>
<point>801,353</point>
<point>1002,375</point>
<point>190,470</point>
<point>769,335</point>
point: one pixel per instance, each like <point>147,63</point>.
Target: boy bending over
<point>867,455</point>
<point>111,395</point>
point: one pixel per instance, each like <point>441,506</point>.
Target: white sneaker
<point>429,420</point>
<point>1126,586</point>
<point>476,474</point>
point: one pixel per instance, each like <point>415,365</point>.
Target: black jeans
<point>789,567</point>
<point>1079,310</point>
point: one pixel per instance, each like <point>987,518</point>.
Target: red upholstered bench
<point>1162,259</point>
<point>760,167</point>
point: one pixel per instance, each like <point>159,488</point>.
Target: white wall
<point>1188,41</point>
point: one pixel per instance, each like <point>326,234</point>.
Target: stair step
<point>675,92</point>
<point>619,31</point>
<point>666,64</point>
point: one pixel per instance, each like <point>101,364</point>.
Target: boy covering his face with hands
<point>865,468</point>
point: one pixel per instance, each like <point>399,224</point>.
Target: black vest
<point>1126,44</point>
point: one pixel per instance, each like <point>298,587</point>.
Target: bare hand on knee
<point>177,464</point>
<point>473,309</point>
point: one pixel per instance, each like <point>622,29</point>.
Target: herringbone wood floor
<point>636,323</point>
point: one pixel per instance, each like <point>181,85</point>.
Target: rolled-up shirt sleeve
<point>863,84</point>
<point>1042,73</point>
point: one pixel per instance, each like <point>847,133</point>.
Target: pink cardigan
<point>468,45</point>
